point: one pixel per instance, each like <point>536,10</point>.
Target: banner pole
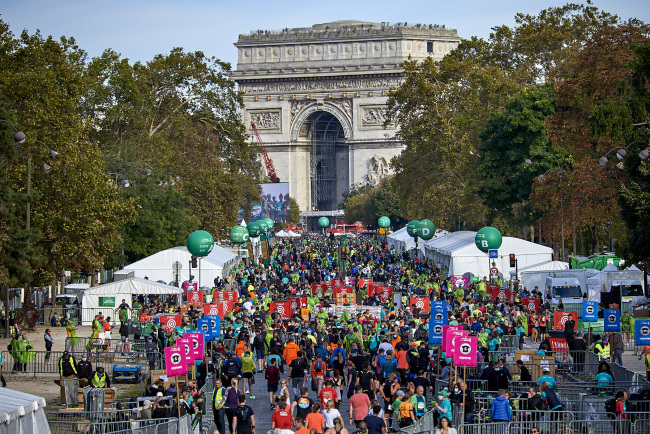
<point>462,421</point>
<point>178,400</point>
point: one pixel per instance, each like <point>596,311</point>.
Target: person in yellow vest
<point>602,350</point>
<point>100,380</point>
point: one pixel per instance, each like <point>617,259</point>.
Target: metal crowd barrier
<point>106,359</point>
<point>101,344</point>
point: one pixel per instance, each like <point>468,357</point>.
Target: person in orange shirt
<point>304,312</point>
<point>402,364</point>
<point>300,426</point>
<point>396,340</point>
<point>290,352</point>
<point>144,317</point>
<point>315,419</point>
<point>241,347</point>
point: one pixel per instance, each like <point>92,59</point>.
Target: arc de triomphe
<point>317,96</point>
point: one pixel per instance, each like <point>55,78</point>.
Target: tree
<point>294,211</point>
<point>366,203</point>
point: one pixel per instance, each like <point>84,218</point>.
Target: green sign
<point>106,301</point>
<point>426,229</point>
<point>200,243</point>
<point>488,238</point>
<point>323,222</point>
<point>412,228</point>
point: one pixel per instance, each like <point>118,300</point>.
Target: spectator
<point>160,409</point>
<point>524,373</point>
<point>546,378</point>
<point>445,427</point>
<point>374,423</point>
<point>146,413</point>
<point>152,350</point>
<point>243,421</point>
<point>621,405</point>
<point>500,410</point>
<point>470,402</point>
<point>49,340</point>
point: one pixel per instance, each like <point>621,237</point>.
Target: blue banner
<point>589,311</point>
<point>204,325</point>
<point>435,331</point>
<point>642,332</point>
<point>215,325</point>
<point>612,320</point>
<point>439,312</point>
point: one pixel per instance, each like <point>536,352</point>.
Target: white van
<point>565,287</point>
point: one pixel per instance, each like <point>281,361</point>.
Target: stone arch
<point>345,122</point>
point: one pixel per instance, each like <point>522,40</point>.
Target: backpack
<point>231,368</point>
<point>610,408</point>
<point>318,366</point>
<point>242,413</point>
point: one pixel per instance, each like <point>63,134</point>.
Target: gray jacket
<point>617,342</point>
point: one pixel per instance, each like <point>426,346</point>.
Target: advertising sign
<point>186,344</point>
<point>175,365</point>
<point>226,295</point>
<point>465,351</point>
<point>203,324</point>
<point>439,311</point>
<point>170,322</point>
<point>215,325</point>
<point>274,203</point>
<point>451,335</point>
<point>560,318</point>
<point>297,302</point>
<point>531,304</point>
<point>196,339</point>
<point>195,298</point>
<point>642,332</point>
<point>589,311</point>
<point>106,301</point>
<point>435,331</point>
<point>422,303</point>
<point>221,308</point>
<point>612,320</point>
<point>283,308</point>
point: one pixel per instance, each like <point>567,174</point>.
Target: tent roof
<point>611,267</point>
<point>400,235</point>
<point>133,286</point>
<point>461,243</point>
<point>544,266</point>
<point>633,268</point>
<point>14,404</point>
<point>218,257</point>
<point>282,233</point>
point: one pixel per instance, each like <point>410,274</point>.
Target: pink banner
<point>197,339</point>
<point>175,365</point>
<point>452,337</point>
<point>465,351</point>
<point>445,341</point>
<point>189,353</point>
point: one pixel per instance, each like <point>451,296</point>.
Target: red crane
<point>267,160</point>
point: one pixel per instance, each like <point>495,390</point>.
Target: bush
<point>27,316</point>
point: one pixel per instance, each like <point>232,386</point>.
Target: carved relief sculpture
<point>377,170</point>
<point>266,120</point>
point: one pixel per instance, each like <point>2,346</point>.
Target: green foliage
<point>294,211</point>
<point>366,203</point>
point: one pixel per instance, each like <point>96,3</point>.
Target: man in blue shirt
<point>374,423</point>
<point>546,377</point>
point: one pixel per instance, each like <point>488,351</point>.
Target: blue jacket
<point>500,409</point>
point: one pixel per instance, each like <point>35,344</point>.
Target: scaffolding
<point>325,132</point>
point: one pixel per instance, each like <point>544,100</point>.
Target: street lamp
<point>560,172</point>
<point>19,140</point>
<point>621,153</point>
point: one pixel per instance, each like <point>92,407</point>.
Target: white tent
<point>457,252</point>
<point>544,266</point>
<point>106,298</point>
<point>293,234</point>
<point>400,240</point>
<point>282,234</point>
<point>611,267</point>
<point>21,413</point>
<point>159,266</point>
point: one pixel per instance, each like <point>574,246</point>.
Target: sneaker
<point>252,397</point>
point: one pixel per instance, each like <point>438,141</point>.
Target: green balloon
<point>269,223</point>
<point>384,222</point>
<point>263,225</point>
<point>323,222</point>
<point>254,229</point>
<point>239,235</point>
<point>488,238</point>
<point>200,243</point>
<point>426,229</point>
<point>412,228</point>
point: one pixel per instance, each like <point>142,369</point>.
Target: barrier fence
<point>47,362</point>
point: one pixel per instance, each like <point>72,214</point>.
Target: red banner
<point>297,303</point>
<point>342,290</point>
<point>384,292</point>
<point>283,308</point>
<point>558,344</point>
<point>170,322</point>
<point>531,304</point>
<point>366,282</point>
<point>501,294</point>
<point>318,289</point>
<point>422,303</point>
<point>559,318</point>
<point>221,308</point>
<point>195,298</point>
<point>226,295</point>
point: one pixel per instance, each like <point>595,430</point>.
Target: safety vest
<point>98,382</point>
<point>602,351</point>
<point>71,360</point>
<point>219,398</point>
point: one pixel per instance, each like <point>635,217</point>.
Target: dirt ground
<point>43,384</point>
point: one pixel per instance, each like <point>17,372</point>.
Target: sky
<point>140,29</point>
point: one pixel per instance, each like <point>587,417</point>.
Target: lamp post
<point>19,141</point>
<point>621,153</point>
<point>122,180</point>
<point>560,171</point>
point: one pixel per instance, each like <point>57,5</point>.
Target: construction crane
<point>270,169</point>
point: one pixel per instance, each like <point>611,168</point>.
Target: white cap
<point>163,378</point>
<point>546,370</point>
<point>159,394</point>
